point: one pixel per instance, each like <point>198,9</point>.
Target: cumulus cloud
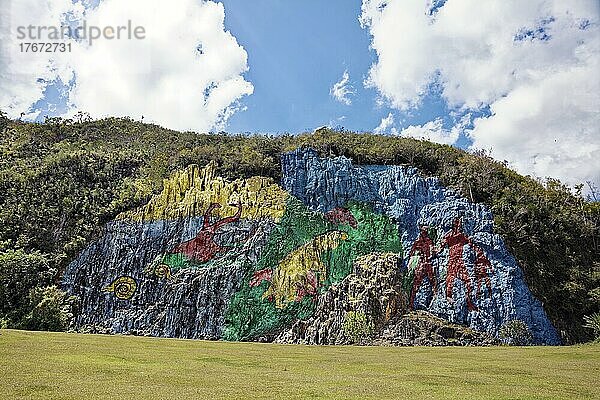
<point>386,126</point>
<point>434,131</point>
<point>163,77</point>
<point>342,90</point>
<point>533,64</point>
<point>24,76</point>
<point>548,128</point>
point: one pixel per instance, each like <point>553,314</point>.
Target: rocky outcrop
<point>420,328</point>
<point>337,254</point>
<point>373,290</point>
<point>416,202</point>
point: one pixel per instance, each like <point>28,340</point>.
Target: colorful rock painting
<point>195,192</point>
<point>262,258</point>
<point>203,247</point>
<point>158,269</point>
<point>423,250</point>
<point>260,276</point>
<point>340,215</point>
<point>306,253</point>
<point>456,241</point>
<point>297,274</point>
<point>123,287</point>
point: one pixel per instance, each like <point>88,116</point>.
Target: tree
<point>21,272</point>
<point>51,310</point>
<point>593,322</point>
<point>516,333</point>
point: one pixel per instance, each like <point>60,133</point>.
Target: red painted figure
<point>309,288</point>
<point>203,247</point>
<point>482,266</point>
<point>259,276</point>
<point>340,215</point>
<point>456,241</point>
<point>423,247</point>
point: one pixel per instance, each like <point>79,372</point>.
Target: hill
<point>63,181</point>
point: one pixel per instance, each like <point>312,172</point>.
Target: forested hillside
<point>62,181</point>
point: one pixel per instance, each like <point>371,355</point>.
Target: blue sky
<point>296,52</point>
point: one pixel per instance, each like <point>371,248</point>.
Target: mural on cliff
<point>123,287</point>
<point>307,253</point>
<point>424,252</point>
<point>253,260</point>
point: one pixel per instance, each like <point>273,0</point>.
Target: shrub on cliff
<point>358,327</point>
<point>516,333</point>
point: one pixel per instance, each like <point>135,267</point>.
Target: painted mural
<point>424,253</point>
<point>421,264</point>
<point>305,255</point>
<point>247,259</point>
<point>122,288</point>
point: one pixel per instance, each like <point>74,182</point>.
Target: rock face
<point>337,254</point>
<point>373,290</point>
<point>424,329</point>
<point>469,262</point>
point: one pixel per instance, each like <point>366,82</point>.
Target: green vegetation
<point>593,322</point>
<point>26,299</point>
<point>357,327</point>
<point>50,309</point>
<point>67,366</point>
<point>63,180</point>
<point>516,333</point>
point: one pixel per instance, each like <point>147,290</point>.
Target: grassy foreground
<point>73,366</point>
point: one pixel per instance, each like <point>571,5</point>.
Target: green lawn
<point>73,366</point>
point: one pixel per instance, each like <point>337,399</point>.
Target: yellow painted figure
<point>297,274</point>
<point>123,287</point>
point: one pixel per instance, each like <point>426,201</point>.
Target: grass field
<point>72,366</point>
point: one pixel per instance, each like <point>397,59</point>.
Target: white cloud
<point>23,75</point>
<point>342,90</point>
<point>548,128</point>
<point>534,63</point>
<point>386,126</point>
<point>162,77</point>
<point>434,131</point>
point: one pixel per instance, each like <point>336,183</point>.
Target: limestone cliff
<point>300,262</point>
<point>475,280</point>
